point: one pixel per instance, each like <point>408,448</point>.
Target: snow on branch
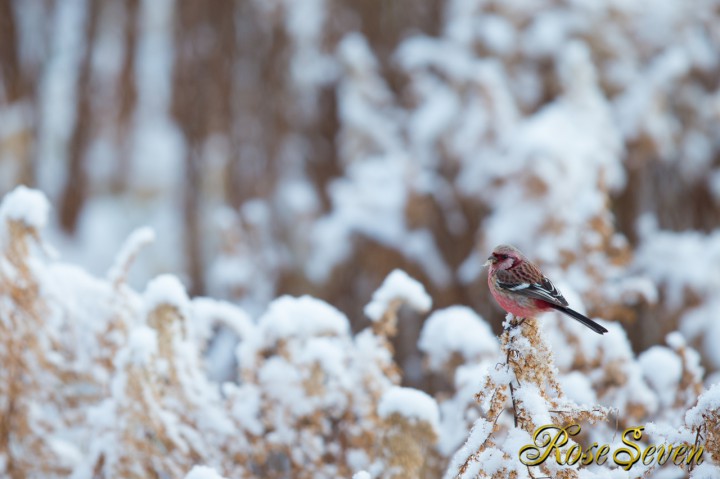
<point>137,240</point>
<point>203,472</point>
<point>27,206</point>
<point>411,420</point>
<point>166,290</point>
<point>304,317</point>
<point>410,403</point>
<point>525,380</point>
<point>456,335</point>
<point>398,288</point>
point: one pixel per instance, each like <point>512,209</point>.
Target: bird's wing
<point>541,289</point>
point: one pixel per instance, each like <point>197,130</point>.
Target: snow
<point>57,94</point>
<point>142,346</point>
<point>302,318</point>
<point>676,250</point>
<point>675,340</point>
<point>297,198</point>
<point>361,475</point>
<point>479,433</point>
<point>574,158</point>
<point>362,91</point>
<point>398,285</point>
<point>492,460</point>
<point>355,51</point>
<point>306,22</point>
<point>516,439</point>
<point>28,206</point>
<point>456,330</point>
<point>663,371</point>
<point>71,454</point>
<point>282,383</point>
<point>705,470</point>
<point>683,286</point>
<point>310,66</point>
<point>79,295</point>
<point>246,402</point>
<point>709,401</point>
<point>371,198</point>
<point>578,388</point>
<point>139,238</point>
<point>547,34</point>
<point>370,202</point>
<point>166,289</point>
<point>435,116</point>
<point>497,33</point>
<point>327,353</point>
<point>533,402</point>
<point>218,327</point>
<point>471,268</point>
<point>203,472</point>
<point>208,313</point>
<point>411,404</point>
<point>712,336</point>
<point>455,415</point>
<point>156,136</point>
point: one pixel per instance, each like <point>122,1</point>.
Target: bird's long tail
<point>586,321</point>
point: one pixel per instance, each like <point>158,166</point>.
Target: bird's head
<point>504,257</point>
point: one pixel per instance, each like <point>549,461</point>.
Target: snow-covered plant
<point>699,430</point>
<point>163,415</point>
<point>459,349</point>
<point>565,379</point>
<point>103,381</point>
<point>136,400</point>
<point>602,370</point>
<point>526,379</point>
<point>299,365</point>
<point>688,301</point>
<point>310,382</point>
<point>704,421</point>
<point>410,423</point>
<point>30,399</point>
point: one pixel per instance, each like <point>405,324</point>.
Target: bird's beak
<point>489,261</point>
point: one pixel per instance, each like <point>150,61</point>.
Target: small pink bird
<point>520,288</point>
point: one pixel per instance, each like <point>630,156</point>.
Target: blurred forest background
<point>313,146</point>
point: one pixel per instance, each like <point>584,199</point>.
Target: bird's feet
<point>512,322</point>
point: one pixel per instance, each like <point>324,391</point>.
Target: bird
<point>520,288</point>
